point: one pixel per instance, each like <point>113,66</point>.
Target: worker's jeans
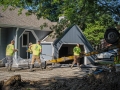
<point>76,58</point>
<point>31,56</point>
<point>35,57</point>
<point>9,60</point>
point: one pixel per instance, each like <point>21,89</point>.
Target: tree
<point>95,31</point>
<point>76,11</point>
<point>84,13</point>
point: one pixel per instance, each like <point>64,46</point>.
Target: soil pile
<point>101,81</point>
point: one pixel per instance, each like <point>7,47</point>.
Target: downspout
<point>16,42</point>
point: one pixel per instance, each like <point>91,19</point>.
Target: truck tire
<point>112,36</point>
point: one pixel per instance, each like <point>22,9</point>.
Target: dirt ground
<point>37,74</point>
<point>63,78</point>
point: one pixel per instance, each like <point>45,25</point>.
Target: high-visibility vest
<point>76,50</point>
<point>10,50</point>
<point>117,60</point>
<point>36,49</point>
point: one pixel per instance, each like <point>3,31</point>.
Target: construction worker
<point>76,51</point>
<point>9,55</point>
<point>30,50</point>
<point>36,49</point>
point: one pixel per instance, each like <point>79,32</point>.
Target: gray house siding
<point>3,43</point>
<point>47,50</point>
<point>23,53</point>
<point>10,34</point>
<point>7,34</point>
<point>31,38</point>
<point>20,31</point>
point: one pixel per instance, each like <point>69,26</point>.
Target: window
<point>0,36</point>
<point>25,39</point>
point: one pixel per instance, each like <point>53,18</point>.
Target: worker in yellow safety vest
<point>36,49</point>
<point>77,52</point>
<point>30,50</point>
<point>9,55</point>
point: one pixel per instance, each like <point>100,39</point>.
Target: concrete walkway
<point>58,73</point>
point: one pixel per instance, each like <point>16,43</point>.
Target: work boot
<point>72,66</point>
<point>10,69</point>
<point>40,66</point>
<point>31,66</point>
<point>7,67</point>
<point>79,66</point>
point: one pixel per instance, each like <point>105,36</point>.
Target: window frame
<point>25,33</point>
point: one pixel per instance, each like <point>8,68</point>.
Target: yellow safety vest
<point>29,49</point>
<point>36,49</point>
<point>76,50</point>
<point>10,50</point>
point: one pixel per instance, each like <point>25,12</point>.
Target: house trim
<point>46,42</point>
<point>45,38</point>
<point>32,33</point>
<point>25,33</point>
<point>22,34</point>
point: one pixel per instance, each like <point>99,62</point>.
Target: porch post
<point>52,50</point>
<point>16,42</point>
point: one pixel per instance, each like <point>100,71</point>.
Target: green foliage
<point>92,16</point>
<point>94,32</point>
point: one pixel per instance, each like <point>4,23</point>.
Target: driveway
<point>37,74</point>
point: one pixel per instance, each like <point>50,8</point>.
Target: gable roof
<point>11,19</point>
<point>49,38</point>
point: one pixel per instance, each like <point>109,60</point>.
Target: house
<point>24,29</point>
<point>63,46</point>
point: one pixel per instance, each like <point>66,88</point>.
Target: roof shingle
<point>12,19</point>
